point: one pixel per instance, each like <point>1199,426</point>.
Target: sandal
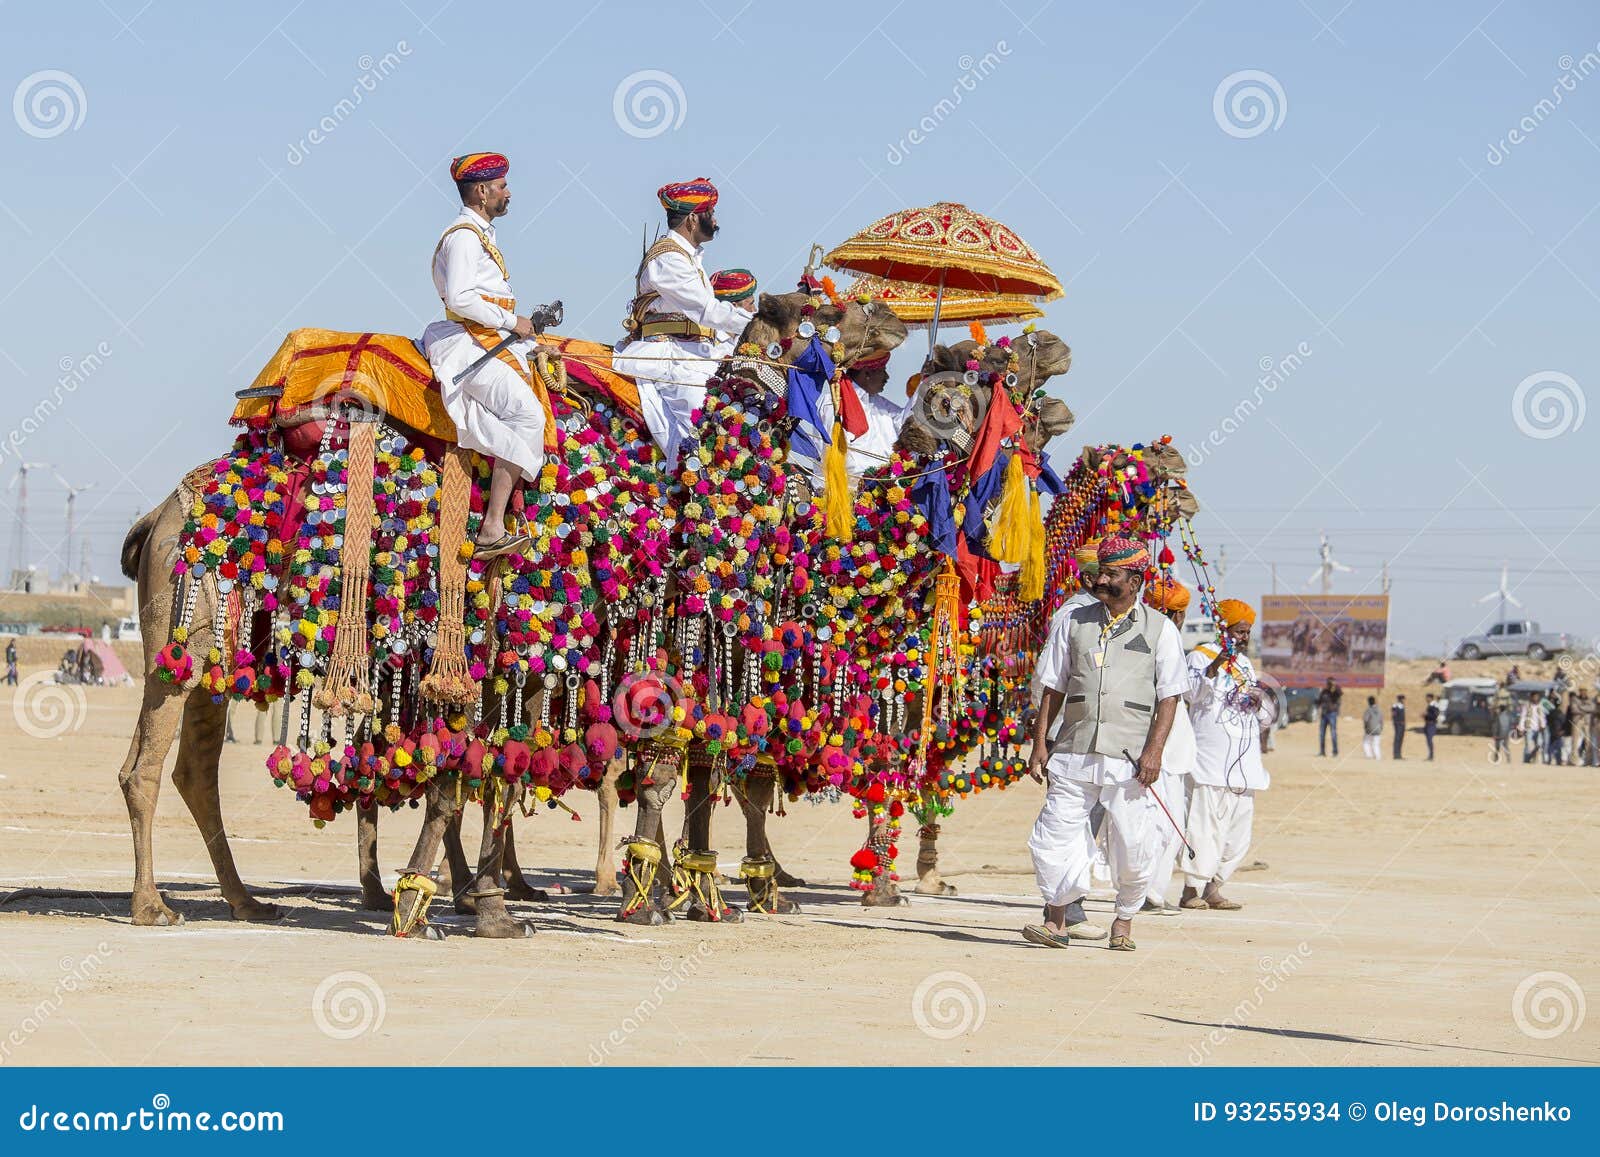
<point>1121,944</point>
<point>1194,902</point>
<point>1223,904</point>
<point>1039,934</point>
<point>503,545</point>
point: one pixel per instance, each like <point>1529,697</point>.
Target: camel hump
<point>133,545</point>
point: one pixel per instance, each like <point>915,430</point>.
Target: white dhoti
<point>1171,787</point>
<point>1063,848</point>
<point>495,411</point>
<point>671,374</point>
<point>1219,828</point>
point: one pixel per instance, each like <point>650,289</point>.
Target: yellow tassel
<point>1010,539</point>
<point>837,503</point>
<point>1030,583</point>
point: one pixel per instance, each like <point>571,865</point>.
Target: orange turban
<point>1167,594</point>
<point>1231,611</point>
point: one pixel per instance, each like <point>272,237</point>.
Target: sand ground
<point>1405,916</point>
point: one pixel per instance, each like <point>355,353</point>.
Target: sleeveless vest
<point>1109,705</point>
<point>642,321</point>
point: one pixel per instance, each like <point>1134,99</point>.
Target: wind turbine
<point>72,508</point>
<point>1504,593</point>
<point>19,533</point>
<point>1328,566</point>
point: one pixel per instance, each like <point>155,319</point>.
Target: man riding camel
<point>500,410</point>
<point>675,317</point>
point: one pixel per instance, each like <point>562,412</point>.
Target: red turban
<point>1119,550</point>
<point>479,167</point>
<point>696,196</point>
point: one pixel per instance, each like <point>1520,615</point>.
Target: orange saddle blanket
<point>388,371</point>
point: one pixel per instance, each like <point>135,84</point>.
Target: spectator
<point>1504,725</point>
<point>11,662</point>
<point>1530,722</point>
<point>1430,724</point>
<point>1513,676</point>
<point>1560,733</point>
<point>1328,717</point>
<point>1371,728</point>
<point>1440,674</point>
<point>1584,713</point>
<point>1397,714</point>
<point>1551,706</point>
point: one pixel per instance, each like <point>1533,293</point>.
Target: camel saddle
<point>315,371</point>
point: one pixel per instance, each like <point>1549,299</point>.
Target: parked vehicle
<point>1522,637</point>
<point>1301,705</point>
<point>1470,706</point>
<point>129,629</point>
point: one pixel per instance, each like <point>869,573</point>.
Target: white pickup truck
<point>1513,638</point>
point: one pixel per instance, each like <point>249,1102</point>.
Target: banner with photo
<point>1305,639</point>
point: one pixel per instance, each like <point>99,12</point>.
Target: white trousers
<point>1371,746</point>
<point>1063,847</point>
<point>495,410</point>
<point>671,374</point>
<point>1219,829</point>
<point>1172,788</point>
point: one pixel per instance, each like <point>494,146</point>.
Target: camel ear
<point>780,310</point>
<point>944,358</point>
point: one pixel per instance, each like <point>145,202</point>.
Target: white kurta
<point>672,371</point>
<point>1177,760</point>
<point>1062,845</point>
<point>1227,772</point>
<point>495,411</point>
<point>862,454</point>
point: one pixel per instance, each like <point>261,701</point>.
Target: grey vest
<point>1109,707</point>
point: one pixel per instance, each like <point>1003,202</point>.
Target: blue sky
<point>170,217</point>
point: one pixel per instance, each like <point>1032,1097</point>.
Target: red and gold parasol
<point>914,303</point>
<point>948,245</point>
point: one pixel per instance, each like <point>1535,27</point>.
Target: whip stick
<point>1151,788</point>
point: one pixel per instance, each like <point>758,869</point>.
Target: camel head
<point>861,325</point>
<point>959,391</point>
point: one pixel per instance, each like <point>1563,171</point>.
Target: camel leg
<point>605,869</point>
<point>373,896</point>
<point>929,882</point>
<point>153,733</point>
<point>704,782</point>
<point>195,774</point>
<point>650,797</point>
<point>764,888</point>
<point>494,921</point>
<point>411,903</point>
<point>455,874</point>
<point>517,886</point>
<point>885,892</point>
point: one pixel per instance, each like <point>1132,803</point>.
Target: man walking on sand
<point>1117,668</point>
<point>1328,717</point>
<point>1371,729</point>
<point>1397,715</point>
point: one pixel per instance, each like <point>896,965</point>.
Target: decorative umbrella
<point>914,303</point>
<point>947,246</point>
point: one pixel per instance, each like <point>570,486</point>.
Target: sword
<point>543,317</point>
<point>1151,788</point>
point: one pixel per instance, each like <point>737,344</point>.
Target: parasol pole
<point>933,326</point>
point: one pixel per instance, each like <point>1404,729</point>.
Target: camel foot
<point>154,913</point>
<point>502,927</point>
<point>256,912</point>
<point>788,880</point>
<point>375,899</point>
<point>703,915</point>
<point>934,888</point>
<point>519,889</point>
<point>880,898</point>
<point>782,906</point>
<point>466,906</point>
<point>606,885</point>
<point>423,932</point>
<point>649,917</point>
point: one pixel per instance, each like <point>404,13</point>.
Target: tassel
<point>1009,540</point>
<point>979,334</point>
<point>345,687</point>
<point>449,680</point>
<point>1030,583</point>
<point>837,503</point>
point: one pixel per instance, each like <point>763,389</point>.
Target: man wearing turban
<point>1225,700</point>
<point>737,287</point>
<point>871,420</point>
<point>675,317</point>
<point>1113,670</point>
<point>497,410</point>
<point>1171,598</point>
